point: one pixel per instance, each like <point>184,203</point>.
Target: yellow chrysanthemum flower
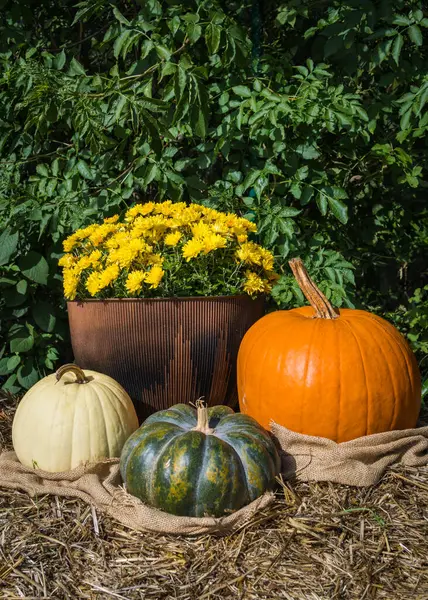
<point>201,230</point>
<point>154,276</point>
<point>249,252</point>
<point>253,283</point>
<point>101,232</point>
<point>132,251</point>
<point>134,281</point>
<point>93,283</point>
<point>70,283</point>
<point>83,263</point>
<point>109,275</point>
<point>95,257</point>
<point>113,219</point>
<point>118,239</point>
<point>192,248</point>
<point>172,239</point>
<point>139,209</point>
<point>213,241</point>
<point>67,261</point>
<point>267,259</point>
<point>155,259</point>
<point>220,227</point>
<point>69,243</point>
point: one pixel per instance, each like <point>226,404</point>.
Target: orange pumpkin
<point>339,374</point>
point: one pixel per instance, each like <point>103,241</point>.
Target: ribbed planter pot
<point>165,351</point>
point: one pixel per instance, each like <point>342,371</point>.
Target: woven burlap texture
<point>100,484</point>
<point>360,462</point>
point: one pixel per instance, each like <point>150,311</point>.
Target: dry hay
<point>317,542</point>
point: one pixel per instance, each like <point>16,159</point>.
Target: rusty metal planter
<point>165,351</point>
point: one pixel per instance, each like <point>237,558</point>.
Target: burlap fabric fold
<point>100,485</point>
<point>360,462</point>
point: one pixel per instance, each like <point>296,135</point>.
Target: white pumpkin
<point>72,417</point>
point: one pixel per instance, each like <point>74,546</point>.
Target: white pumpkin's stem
<point>323,308</point>
<point>80,375</point>
<point>203,421</point>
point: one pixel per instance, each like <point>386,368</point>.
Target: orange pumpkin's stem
<point>80,375</point>
<point>323,308</point>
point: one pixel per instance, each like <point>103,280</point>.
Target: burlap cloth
<point>361,462</point>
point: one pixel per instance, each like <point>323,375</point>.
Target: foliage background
<point>309,117</point>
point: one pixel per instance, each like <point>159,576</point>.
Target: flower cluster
<point>166,249</point>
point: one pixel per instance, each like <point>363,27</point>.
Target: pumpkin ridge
<point>390,373</point>
<point>73,429</point>
<point>403,354</point>
<point>202,469</point>
<point>104,419</point>
<point>365,375</point>
<point>308,355</point>
<point>262,332</point>
<point>247,435</point>
<point>111,404</point>
<point>339,393</point>
<point>241,463</point>
<point>150,487</point>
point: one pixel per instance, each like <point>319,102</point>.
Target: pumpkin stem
<point>323,308</point>
<point>203,421</point>
<point>80,375</point>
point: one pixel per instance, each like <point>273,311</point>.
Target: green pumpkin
<point>208,462</point>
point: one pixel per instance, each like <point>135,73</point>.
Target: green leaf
<point>396,48</point>
<point>308,151</point>
<point>332,46</point>
<point>163,52</point>
<point>42,170</point>
<point>339,209</point>
<point>13,362</point>
<point>194,32</point>
<point>296,190</point>
<point>306,196</point>
<point>21,341</point>
<point>13,297</point>
<point>150,174</point>
<point>84,170</point>
<point>27,374</point>
<point>21,286</point>
<point>76,68</point>
<point>401,20</point>
<point>242,90</point>
<point>289,211</point>
<point>212,37</point>
<point>10,385</point>
<point>8,245</point>
<point>250,179</point>
<point>59,60</point>
<point>120,41</point>
<point>322,203</point>
<point>120,17</point>
<point>415,34</point>
<point>34,266</point>
<point>382,51</point>
<point>405,119</point>
<point>201,122</point>
<point>4,369</point>
<point>44,316</point>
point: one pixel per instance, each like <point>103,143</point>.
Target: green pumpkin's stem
<point>203,421</point>
<point>323,308</point>
<point>80,375</point>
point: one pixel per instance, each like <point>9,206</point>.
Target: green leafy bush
<point>309,118</point>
